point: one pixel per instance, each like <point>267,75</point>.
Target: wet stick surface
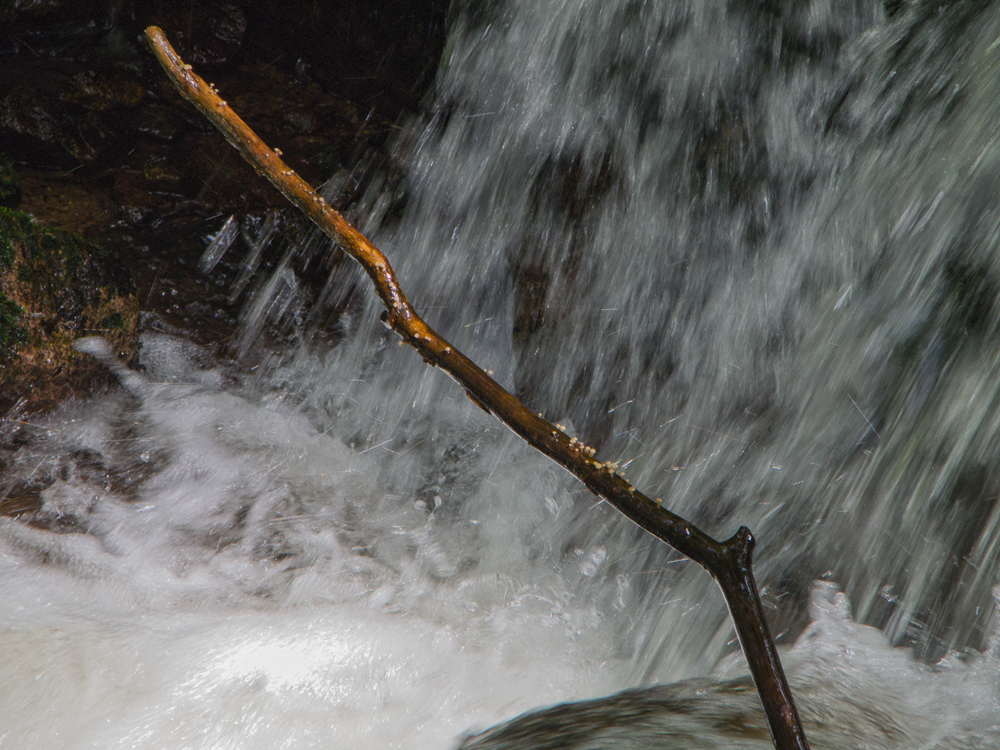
<point>729,562</point>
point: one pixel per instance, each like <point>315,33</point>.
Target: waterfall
<point>747,250</point>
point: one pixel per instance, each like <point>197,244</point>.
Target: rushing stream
<point>746,249</point>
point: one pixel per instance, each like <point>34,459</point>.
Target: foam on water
<point>304,678</point>
<point>211,576</point>
<point>750,253</point>
<point>214,572</point>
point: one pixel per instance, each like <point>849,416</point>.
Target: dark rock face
<point>95,140</point>
<point>78,86</point>
<point>382,54</point>
<point>55,288</point>
<point>206,33</point>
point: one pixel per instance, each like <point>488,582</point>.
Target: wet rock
<point>105,146</point>
<point>56,116</point>
<point>29,129</point>
<point>56,199</point>
<point>204,33</point>
<point>158,121</point>
<point>44,28</point>
<point>135,196</point>
<point>100,91</point>
<point>384,54</point>
<point>55,288</point>
<point>324,82</point>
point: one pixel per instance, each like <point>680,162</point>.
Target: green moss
<point>10,184</point>
<point>114,320</point>
<point>16,230</point>
<point>49,252</point>
<point>56,246</point>
<point>12,333</point>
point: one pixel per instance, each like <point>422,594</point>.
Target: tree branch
<point>729,562</point>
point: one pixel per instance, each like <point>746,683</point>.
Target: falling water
<point>744,249</point>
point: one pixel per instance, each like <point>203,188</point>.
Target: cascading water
<point>745,249</point>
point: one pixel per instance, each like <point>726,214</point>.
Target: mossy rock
<point>10,185</point>
<point>55,288</point>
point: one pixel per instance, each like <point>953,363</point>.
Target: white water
<point>232,589</point>
<point>167,614</point>
<point>765,241</point>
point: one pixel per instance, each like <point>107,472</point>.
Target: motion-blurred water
<point>746,249</point>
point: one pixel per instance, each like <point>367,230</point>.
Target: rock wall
<point>95,141</point>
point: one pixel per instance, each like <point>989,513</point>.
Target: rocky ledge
<point>56,287</point>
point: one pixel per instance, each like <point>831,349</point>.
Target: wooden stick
<point>729,562</point>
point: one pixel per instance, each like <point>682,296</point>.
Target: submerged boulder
<point>56,287</point>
